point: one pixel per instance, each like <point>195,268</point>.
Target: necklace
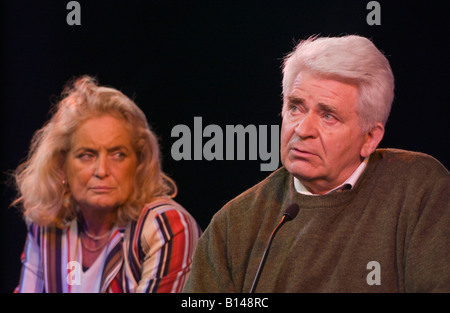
<point>92,249</point>
<point>93,236</point>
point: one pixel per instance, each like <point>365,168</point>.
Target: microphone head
<point>291,211</point>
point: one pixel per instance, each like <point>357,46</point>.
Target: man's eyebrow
<point>296,100</point>
<point>327,108</point>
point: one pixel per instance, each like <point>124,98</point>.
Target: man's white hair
<point>351,59</point>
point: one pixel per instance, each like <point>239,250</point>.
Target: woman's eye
<point>118,155</point>
<point>85,156</point>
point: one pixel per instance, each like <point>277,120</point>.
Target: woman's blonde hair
<point>43,194</point>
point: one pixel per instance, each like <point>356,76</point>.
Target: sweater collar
<point>347,185</point>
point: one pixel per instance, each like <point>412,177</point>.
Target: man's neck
<point>349,183</point>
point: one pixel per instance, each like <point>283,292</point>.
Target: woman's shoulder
<point>161,205</point>
<point>36,230</point>
<point>165,213</point>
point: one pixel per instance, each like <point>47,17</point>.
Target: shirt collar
<point>348,184</point>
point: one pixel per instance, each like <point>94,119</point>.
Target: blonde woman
<point>100,211</point>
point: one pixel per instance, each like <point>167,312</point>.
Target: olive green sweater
<point>398,215</point>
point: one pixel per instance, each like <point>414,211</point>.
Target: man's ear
<point>372,139</point>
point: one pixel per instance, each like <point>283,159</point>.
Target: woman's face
<point>101,164</point>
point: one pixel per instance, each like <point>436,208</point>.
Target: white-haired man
<point>370,220</point>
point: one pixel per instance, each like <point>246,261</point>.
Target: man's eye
<point>294,109</point>
<point>329,118</point>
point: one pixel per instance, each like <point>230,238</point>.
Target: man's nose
<point>307,126</point>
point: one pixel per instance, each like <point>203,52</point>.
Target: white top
<point>89,280</point>
<point>351,181</point>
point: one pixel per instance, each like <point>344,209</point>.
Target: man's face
<point>321,138</point>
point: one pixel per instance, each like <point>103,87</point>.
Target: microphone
<point>289,214</point>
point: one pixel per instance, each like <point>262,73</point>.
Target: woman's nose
<point>102,168</point>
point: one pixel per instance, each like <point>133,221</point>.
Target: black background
<point>216,59</point>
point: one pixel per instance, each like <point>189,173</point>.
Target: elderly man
<point>370,220</point>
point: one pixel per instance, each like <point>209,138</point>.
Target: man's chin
<point>302,170</point>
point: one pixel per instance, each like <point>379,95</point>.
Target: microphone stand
<point>288,215</point>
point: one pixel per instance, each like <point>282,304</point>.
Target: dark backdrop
<point>216,59</point>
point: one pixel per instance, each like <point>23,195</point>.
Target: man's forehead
<point>327,89</point>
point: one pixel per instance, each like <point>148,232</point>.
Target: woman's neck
<point>97,222</point>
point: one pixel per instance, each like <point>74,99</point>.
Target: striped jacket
<point>152,254</point>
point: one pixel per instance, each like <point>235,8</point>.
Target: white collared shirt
<point>351,181</point>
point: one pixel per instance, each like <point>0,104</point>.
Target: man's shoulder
<point>409,162</point>
<point>399,156</point>
<point>272,189</point>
